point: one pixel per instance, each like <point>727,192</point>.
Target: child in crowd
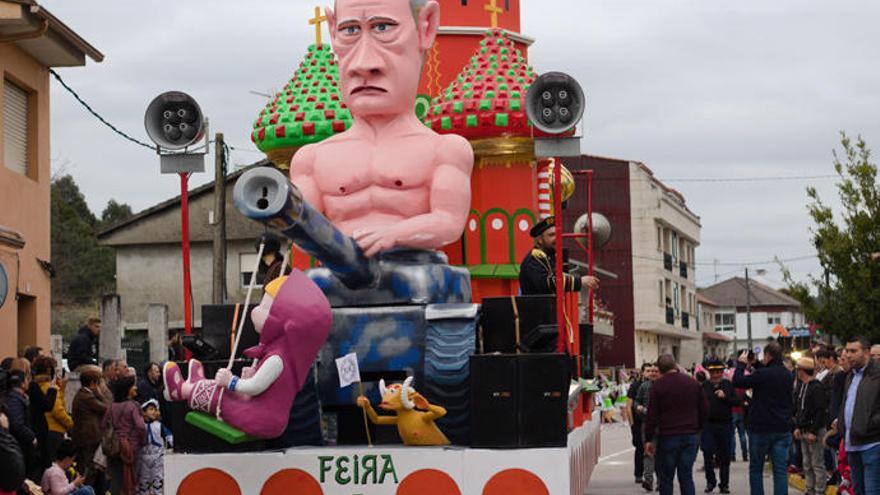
<point>55,480</point>
<point>150,471</point>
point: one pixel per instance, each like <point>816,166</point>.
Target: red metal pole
<point>184,234</point>
<point>590,240</point>
<point>562,342</point>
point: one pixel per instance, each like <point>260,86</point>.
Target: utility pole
<point>748,309</point>
<point>218,292</point>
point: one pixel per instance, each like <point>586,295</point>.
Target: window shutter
<point>15,128</point>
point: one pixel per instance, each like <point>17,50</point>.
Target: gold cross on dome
<point>493,8</point>
<point>317,21</point>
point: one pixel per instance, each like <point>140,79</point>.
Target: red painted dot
<point>288,481</point>
<point>515,482</point>
<point>428,482</point>
<point>208,481</point>
<point>398,183</point>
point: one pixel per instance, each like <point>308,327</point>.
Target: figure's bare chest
<point>348,167</point>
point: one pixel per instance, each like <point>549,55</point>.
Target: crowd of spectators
<point>813,414</point>
<point>110,440</point>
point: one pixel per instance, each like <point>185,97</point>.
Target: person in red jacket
<point>677,412</point>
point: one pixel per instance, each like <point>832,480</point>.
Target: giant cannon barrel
<point>264,194</point>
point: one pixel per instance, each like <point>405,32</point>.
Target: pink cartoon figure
<point>388,181</point>
<point>293,320</point>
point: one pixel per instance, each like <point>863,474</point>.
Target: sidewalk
<point>614,474</point>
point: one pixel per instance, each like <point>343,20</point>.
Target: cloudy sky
<point>693,89</point>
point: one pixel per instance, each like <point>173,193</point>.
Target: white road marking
<point>625,451</point>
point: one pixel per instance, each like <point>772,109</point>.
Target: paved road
<point>614,474</point>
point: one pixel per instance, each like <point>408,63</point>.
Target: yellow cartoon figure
<point>414,415</point>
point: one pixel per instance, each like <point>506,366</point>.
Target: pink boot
<point>205,397</point>
<point>196,371</point>
<point>173,382</point>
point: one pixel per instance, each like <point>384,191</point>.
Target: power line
<point>752,179</point>
<point>116,129</point>
<point>96,114</point>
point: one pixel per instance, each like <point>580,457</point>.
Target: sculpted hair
<point>666,363</point>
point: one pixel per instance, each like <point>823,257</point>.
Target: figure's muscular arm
<point>450,200</point>
<point>302,168</point>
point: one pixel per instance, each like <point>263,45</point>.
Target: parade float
<point>391,320</point>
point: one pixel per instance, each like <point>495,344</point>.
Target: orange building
<point>32,40</point>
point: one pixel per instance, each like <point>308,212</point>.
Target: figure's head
<point>806,368</point>
<point>666,363</point>
<point>875,352</point>
<point>65,454</point>
<point>858,352</point>
<point>110,368</point>
<point>381,45</point>
<point>397,397</point>
<point>124,388</point>
<point>150,409</point>
<point>90,378</point>
<point>652,372</point>
<point>153,372</point>
<point>826,358</point>
<point>261,312</point>
<point>94,325</point>
<point>772,352</point>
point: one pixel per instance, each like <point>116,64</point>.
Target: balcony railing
<point>683,269</point>
<point>670,316</point>
<point>667,261</point>
<point>685,320</point>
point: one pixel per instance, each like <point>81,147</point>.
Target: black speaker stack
<point>217,320</point>
<point>519,400</point>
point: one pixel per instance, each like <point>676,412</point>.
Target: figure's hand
<point>649,449</point>
<point>834,426</point>
<point>743,357</point>
<point>248,371</point>
<point>363,401</point>
<point>719,394</point>
<point>375,239</point>
<point>223,377</point>
<point>4,421</point>
<point>797,434</point>
<point>78,481</point>
<point>590,282</point>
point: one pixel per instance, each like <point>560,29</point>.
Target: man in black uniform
<point>537,273</point>
<point>718,432</point>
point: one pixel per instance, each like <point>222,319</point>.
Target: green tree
<point>848,289</point>
<point>114,213</point>
<point>84,270</point>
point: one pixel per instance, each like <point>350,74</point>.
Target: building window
<point>674,247</point>
<point>725,322</point>
<point>659,238</point>
<point>774,319</point>
<point>464,3</point>
<point>676,294</point>
<point>246,262</point>
<point>16,127</point>
<point>507,5</point>
<point>660,286</point>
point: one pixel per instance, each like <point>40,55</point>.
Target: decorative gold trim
<point>281,157</point>
<point>503,150</point>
